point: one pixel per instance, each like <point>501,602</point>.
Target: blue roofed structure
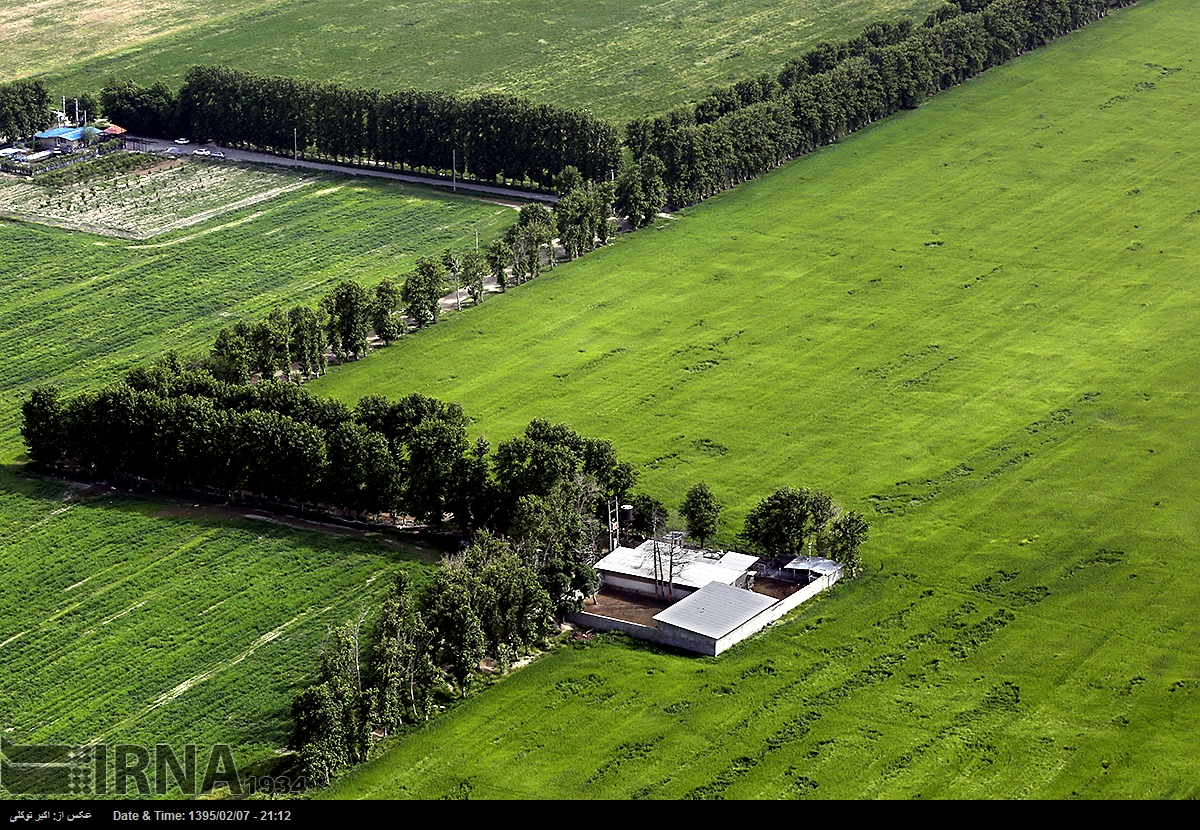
<point>67,138</point>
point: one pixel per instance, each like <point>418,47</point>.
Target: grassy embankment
<point>137,621</point>
<point>975,322</point>
<point>617,57</point>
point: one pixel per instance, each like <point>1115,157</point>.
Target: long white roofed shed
<point>634,569</point>
<point>712,619</point>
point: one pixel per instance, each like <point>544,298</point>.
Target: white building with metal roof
<point>713,618</point>
<point>806,569</point>
<point>669,571</point>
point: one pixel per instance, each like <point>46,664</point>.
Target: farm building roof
<point>113,129</point>
<point>814,563</point>
<point>715,610</point>
<point>694,568</point>
<point>68,133</point>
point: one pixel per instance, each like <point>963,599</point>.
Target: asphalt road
<point>161,145</point>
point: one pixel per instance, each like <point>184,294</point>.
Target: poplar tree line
<point>274,443</point>
<point>746,129</point>
<point>24,109</point>
<point>428,640</point>
<point>489,137</point>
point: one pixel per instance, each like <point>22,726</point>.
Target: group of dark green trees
<point>791,522</point>
<point>273,443</point>
<point>427,640</point>
<point>24,109</point>
<point>735,133</point>
<point>490,137</point>
<point>745,129</point>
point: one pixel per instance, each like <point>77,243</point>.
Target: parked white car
<point>183,141</point>
<point>200,151</point>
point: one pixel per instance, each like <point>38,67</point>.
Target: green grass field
<point>47,35</point>
<point>140,621</point>
<point>131,621</point>
<point>618,57</point>
<point>973,321</point>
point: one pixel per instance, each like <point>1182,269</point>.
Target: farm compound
<point>698,600</point>
<point>62,138</point>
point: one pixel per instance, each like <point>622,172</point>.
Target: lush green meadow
<point>618,57</point>
<point>131,621</point>
<point>49,34</point>
<point>135,620</point>
<point>975,322</point>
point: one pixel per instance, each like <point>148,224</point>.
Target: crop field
<point>139,620</point>
<point>132,621</point>
<point>974,322</point>
<point>146,203</point>
<point>618,57</point>
<point>44,35</point>
<point>82,308</point>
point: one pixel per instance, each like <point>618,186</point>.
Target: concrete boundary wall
<point>697,643</point>
<point>635,630</point>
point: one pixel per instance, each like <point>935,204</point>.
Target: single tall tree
<point>474,270</point>
<point>701,512</point>
<point>388,297</point>
<point>349,310</point>
<point>423,291</point>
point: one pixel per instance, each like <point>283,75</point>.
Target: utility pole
<point>454,170</point>
<point>295,146</point>
<point>613,526</point>
<point>477,240</point>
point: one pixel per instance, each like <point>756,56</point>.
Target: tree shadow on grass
<point>17,480</point>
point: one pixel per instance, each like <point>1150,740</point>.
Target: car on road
<point>217,154</point>
<point>183,141</point>
<point>200,151</point>
<point>170,151</point>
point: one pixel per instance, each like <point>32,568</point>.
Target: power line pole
<point>295,146</point>
<point>454,170</point>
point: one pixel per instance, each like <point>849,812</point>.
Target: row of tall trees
<point>427,639</point>
<point>24,109</point>
<point>142,110</point>
<point>490,136</point>
<point>295,342</point>
<point>172,426</point>
<point>743,130</point>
